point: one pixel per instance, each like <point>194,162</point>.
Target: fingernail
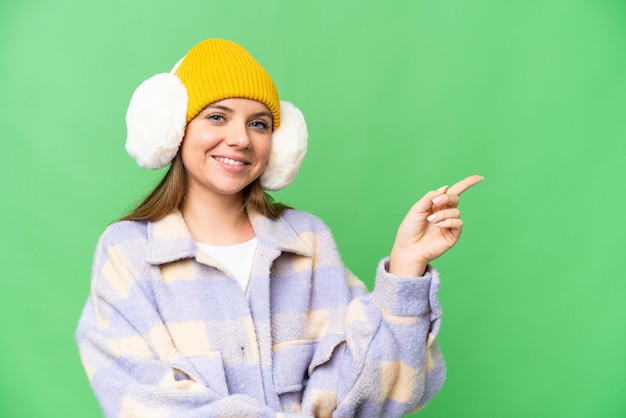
<point>432,217</point>
<point>437,200</point>
<point>440,223</point>
<point>442,188</point>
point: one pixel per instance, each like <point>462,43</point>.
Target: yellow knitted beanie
<point>216,69</point>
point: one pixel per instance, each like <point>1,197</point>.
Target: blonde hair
<point>169,195</point>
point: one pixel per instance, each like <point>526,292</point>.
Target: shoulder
<point>122,233</point>
<point>301,221</point>
<point>311,230</point>
<point>123,244</point>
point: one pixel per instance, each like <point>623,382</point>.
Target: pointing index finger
<point>465,184</point>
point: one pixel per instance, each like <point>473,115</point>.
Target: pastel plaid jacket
<point>168,332</point>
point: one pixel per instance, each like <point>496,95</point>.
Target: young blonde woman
<point>211,300</point>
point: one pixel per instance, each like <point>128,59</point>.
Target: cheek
<point>265,151</point>
<point>196,142</point>
<point>186,149</point>
<point>191,153</point>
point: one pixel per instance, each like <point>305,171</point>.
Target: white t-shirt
<point>236,258</point>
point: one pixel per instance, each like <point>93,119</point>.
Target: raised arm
<point>389,362</point>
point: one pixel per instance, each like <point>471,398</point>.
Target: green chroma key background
<point>400,97</point>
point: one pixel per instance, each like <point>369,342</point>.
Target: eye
<point>260,125</point>
<point>215,117</point>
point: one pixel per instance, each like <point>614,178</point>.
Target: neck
<point>217,219</point>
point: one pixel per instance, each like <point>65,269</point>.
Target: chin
<point>231,190</point>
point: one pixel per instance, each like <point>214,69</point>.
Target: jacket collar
<point>169,238</point>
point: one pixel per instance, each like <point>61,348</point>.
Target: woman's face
<point>227,146</point>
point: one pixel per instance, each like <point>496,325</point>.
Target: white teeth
<point>229,161</point>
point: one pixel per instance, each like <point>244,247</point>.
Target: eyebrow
<point>228,109</point>
<point>263,113</point>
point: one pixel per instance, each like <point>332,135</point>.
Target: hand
<point>431,228</point>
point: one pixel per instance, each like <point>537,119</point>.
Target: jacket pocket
<point>326,350</point>
<point>205,367</point>
<point>294,365</point>
<point>295,361</point>
<point>290,364</point>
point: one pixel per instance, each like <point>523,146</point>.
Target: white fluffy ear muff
<point>156,120</point>
<point>289,143</point>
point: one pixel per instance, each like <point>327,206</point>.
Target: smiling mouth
<point>230,161</point>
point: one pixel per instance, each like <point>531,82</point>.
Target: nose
<point>237,136</point>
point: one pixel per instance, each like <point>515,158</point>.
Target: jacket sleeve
<point>131,364</point>
<point>380,356</point>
